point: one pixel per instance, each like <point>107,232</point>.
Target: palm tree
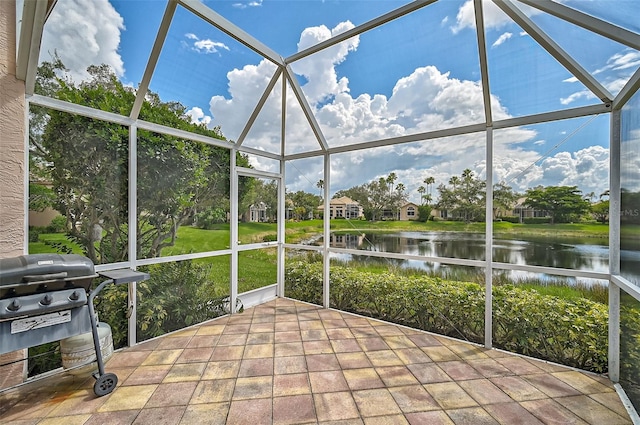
<point>429,181</point>
<point>421,191</point>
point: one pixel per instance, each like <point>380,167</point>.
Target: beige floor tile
<point>66,420</point>
<point>210,414</point>
<point>174,394</point>
<point>440,353</point>
<point>386,420</point>
<point>511,413</point>
<point>359,379</point>
<point>550,385</point>
<point>549,411</point>
<point>471,416</point>
<point>128,398</point>
<point>289,349</point>
<point>436,417</point>
<point>582,382</point>
<point>384,358</point>
<point>294,410</point>
<point>223,369</point>
<point>395,376</point>
<point>356,360</point>
<point>290,364</point>
<point>484,392</point>
<point>162,357</point>
<point>215,391</point>
<point>291,384</point>
<point>320,362</point>
<point>412,356</point>
<point>160,416</point>
<point>450,395</point>
<point>591,411</point>
<point>147,375</point>
<point>185,372</point>
<point>413,398</point>
<point>428,373</point>
<point>335,406</point>
<point>518,389</point>
<point>255,387</point>
<point>399,342</point>
<point>258,351</point>
<point>256,367</point>
<point>121,417</point>
<point>327,381</point>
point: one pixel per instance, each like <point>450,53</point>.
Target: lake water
<point>590,254</point>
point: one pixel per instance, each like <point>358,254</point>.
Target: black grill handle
<point>43,277</point>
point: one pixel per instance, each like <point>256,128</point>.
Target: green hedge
<point>537,220</point>
<point>568,332</point>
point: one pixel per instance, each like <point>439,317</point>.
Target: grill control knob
<point>74,296</point>
<point>46,300</point>
<point>14,306</point>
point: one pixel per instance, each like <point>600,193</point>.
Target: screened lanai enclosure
<point>465,167</point>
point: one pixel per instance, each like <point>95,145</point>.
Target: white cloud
<point>244,5</point>
<point>494,18</point>
<point>503,38</point>
<point>426,99</point>
<point>83,33</point>
<point>205,46</point>
<point>614,75</point>
<point>198,116</point>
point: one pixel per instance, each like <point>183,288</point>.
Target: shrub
<point>536,220</point>
<point>173,298</point>
<point>272,237</point>
<point>510,219</point>
<point>34,234</point>
<point>57,225</point>
<point>570,332</point>
<point>209,218</point>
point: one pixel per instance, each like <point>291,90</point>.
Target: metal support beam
<point>326,239</point>
<point>629,89</point>
<point>555,50</point>
<point>258,108</point>
<point>588,22</point>
<point>233,234</point>
<point>153,58</point>
<point>614,245</point>
<point>198,8</point>
<point>488,286</point>
<point>297,90</point>
<point>484,67</point>
<point>132,310</point>
<point>394,14</point>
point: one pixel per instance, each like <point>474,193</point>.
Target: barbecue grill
<point>48,297</point>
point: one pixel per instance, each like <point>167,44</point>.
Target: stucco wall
<point>12,164</point>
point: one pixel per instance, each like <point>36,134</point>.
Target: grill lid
<point>28,274</point>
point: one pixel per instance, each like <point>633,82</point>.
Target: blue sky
<point>416,74</point>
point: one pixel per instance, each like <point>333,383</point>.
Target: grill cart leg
<point>106,382</point>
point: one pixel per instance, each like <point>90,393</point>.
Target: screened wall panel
<point>630,191</point>
<point>546,178</point>
<point>182,196</point>
<point>78,194</point>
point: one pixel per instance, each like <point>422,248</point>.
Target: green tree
<point>303,203</point>
<point>562,203</point>
<point>600,211</point>
<point>87,162</point>
<point>504,199</point>
<point>464,197</point>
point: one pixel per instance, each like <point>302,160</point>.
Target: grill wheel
<point>105,384</point>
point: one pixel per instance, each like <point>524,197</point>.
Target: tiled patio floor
<point>286,362</point>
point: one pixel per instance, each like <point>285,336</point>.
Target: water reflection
<point>590,254</point>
